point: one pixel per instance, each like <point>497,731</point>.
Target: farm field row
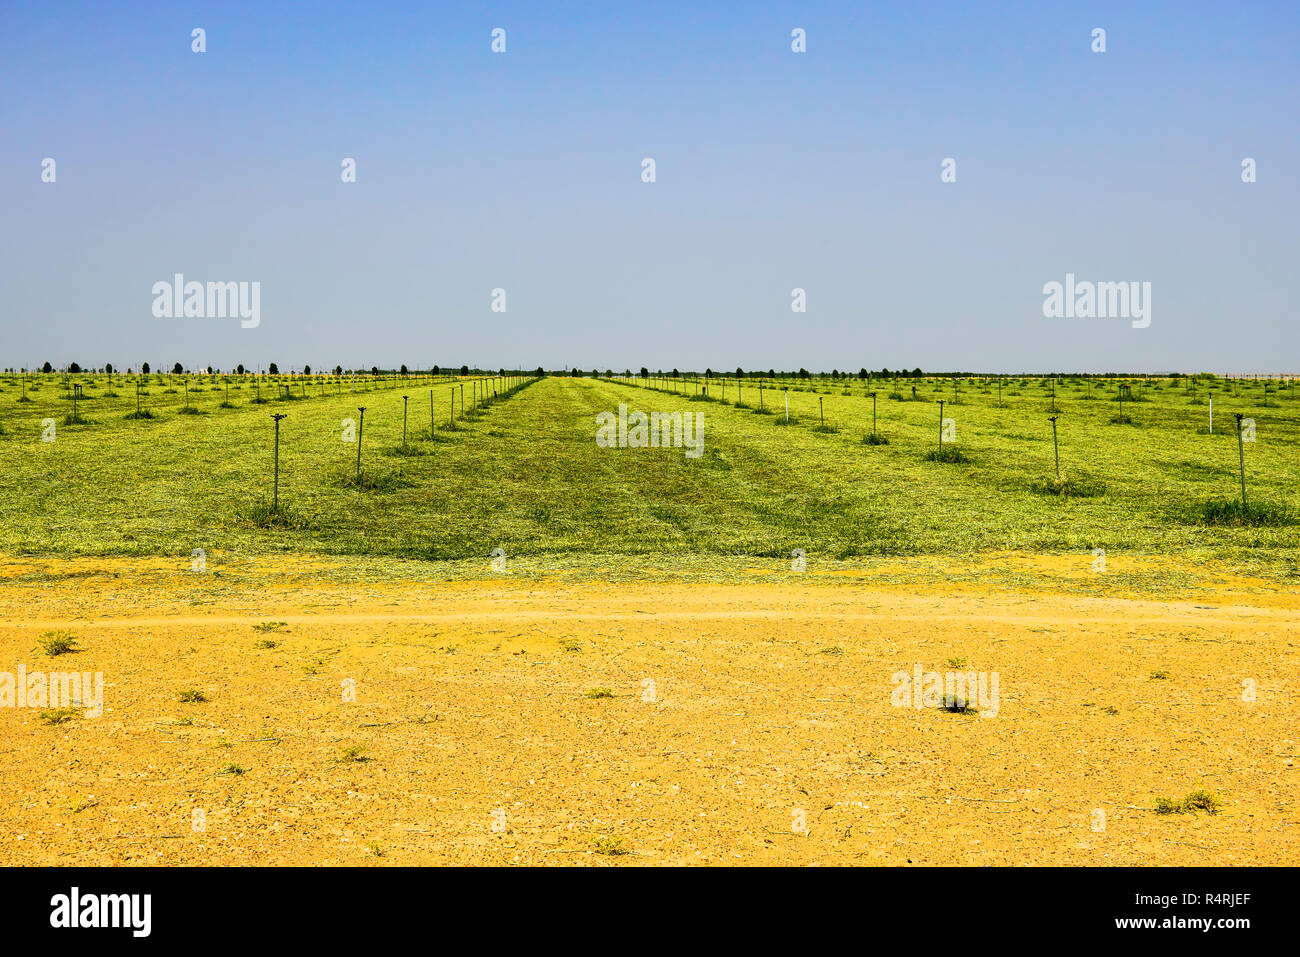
<point>105,401</point>
<point>526,475</point>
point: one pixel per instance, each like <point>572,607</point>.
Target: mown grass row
<point>525,474</point>
<point>1164,465</point>
<point>101,400</point>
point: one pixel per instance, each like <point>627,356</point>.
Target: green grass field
<point>525,474</point>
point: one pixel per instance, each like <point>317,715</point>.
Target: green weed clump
<point>263,515</point>
<point>956,705</point>
<point>1198,800</point>
<point>370,481</point>
<point>55,643</point>
<point>609,846</point>
<point>1233,513</point>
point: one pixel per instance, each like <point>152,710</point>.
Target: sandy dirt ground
<point>518,720</point>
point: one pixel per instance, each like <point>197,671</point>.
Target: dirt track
<point>471,700</point>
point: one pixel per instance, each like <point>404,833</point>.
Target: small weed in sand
<point>599,693</point>
<point>957,705</point>
<point>609,846</point>
<point>1198,800</point>
<point>55,643</point>
<point>57,716</point>
<point>191,696</point>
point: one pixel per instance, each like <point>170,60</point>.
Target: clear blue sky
<point>775,170</point>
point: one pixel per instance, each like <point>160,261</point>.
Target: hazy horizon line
<point>452,369</point>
